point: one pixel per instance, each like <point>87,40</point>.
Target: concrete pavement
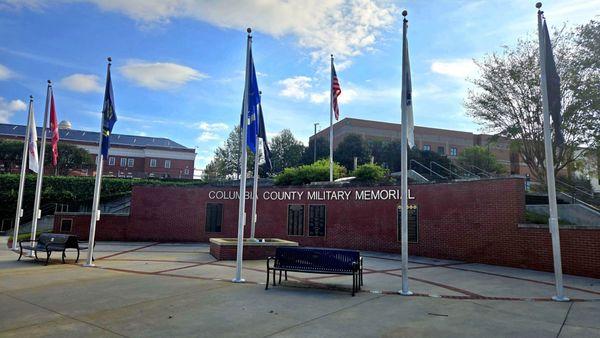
<point>151,289</point>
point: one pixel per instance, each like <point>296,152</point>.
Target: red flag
<point>54,128</point>
<point>336,90</point>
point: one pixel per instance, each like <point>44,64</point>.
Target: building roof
<point>73,135</point>
<point>378,125</point>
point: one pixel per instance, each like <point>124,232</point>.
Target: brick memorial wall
<point>475,221</point>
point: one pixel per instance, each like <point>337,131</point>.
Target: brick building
<point>129,155</point>
<point>443,141</point>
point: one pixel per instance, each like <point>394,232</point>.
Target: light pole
<point>315,143</point>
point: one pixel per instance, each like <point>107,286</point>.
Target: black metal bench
<point>49,242</point>
<point>317,260</point>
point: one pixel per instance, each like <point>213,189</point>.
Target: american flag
<point>336,90</point>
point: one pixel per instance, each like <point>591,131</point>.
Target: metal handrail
<point>464,169</point>
<point>481,171</point>
<point>431,171</point>
<point>448,170</point>
<point>575,188</point>
<point>578,201</point>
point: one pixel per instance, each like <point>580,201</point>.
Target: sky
<point>178,65</point>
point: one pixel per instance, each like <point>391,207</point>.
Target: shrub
<point>304,174</point>
<point>370,173</point>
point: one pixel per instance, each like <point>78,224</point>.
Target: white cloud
<point>7,109</point>
<point>345,28</point>
<point>456,68</point>
<point>211,127</point>
<point>84,83</point>
<point>207,136</point>
<point>295,87</point>
<point>159,75</point>
<point>357,93</point>
<point>5,73</point>
<point>319,97</point>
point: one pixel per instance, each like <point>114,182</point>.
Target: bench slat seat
<point>317,260</point>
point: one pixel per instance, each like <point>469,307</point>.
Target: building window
<point>426,147</point>
<point>123,162</point>
<point>316,220</point>
<point>130,162</point>
<point>413,224</point>
<point>295,220</point>
<point>441,150</point>
<point>453,151</point>
<point>66,225</point>
<point>167,164</point>
<point>214,217</point>
<point>111,160</point>
<point>153,163</point>
<point>186,171</point>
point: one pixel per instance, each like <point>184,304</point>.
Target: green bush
<point>69,190</point>
<point>304,174</point>
<point>370,173</point>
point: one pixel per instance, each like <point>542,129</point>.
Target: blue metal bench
<point>48,242</point>
<point>316,260</point>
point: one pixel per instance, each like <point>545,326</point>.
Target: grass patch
<point>535,218</point>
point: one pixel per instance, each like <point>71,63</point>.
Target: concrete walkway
<point>151,289</point>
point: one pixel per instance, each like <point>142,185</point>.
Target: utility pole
<point>315,143</point>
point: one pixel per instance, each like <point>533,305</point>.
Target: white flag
<point>34,164</point>
<point>407,107</point>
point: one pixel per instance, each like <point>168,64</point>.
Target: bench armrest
<point>28,240</point>
<point>270,259</point>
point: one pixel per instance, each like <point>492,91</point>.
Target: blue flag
<point>109,116</point>
<point>262,133</point>
<point>253,101</point>
<point>553,87</point>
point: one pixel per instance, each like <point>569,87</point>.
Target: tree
<point>286,151</point>
<point>225,163</point>
<point>304,174</point>
<point>507,97</point>
<point>322,150</point>
<point>370,173</point>
<point>351,146</point>
<point>10,153</point>
<point>480,157</point>
<point>70,157</point>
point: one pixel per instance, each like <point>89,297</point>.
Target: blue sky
<point>178,65</point>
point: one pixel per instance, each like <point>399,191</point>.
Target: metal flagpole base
<point>241,280</point>
<point>407,293</point>
<point>92,265</point>
<point>560,299</point>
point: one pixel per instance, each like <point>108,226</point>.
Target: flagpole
<point>19,212</point>
<point>37,214</point>
<point>255,186</point>
<point>255,189</point>
<point>243,168</point>
<point>553,219</point>
<point>331,123</point>
<point>404,168</point>
<point>95,217</point>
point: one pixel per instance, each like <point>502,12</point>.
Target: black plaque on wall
<point>316,220</point>
<point>413,224</point>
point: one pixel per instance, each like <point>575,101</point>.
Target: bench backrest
<point>321,259</point>
<point>68,241</point>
